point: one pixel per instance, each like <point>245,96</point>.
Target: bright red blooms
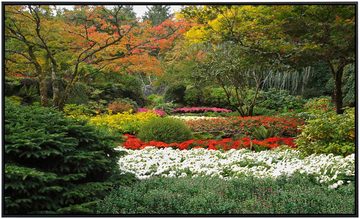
<point>225,144</point>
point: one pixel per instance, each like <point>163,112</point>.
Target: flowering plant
<point>224,144</point>
<point>158,112</point>
<point>200,110</point>
<point>168,162</point>
<point>282,126</point>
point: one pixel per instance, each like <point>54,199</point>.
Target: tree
<point>157,14</point>
<point>326,33</point>
<point>61,46</point>
<point>298,35</point>
<point>241,77</point>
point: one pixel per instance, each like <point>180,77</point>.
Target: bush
<point>78,111</point>
<point>167,107</point>
<point>122,105</point>
<point>319,105</point>
<point>155,100</point>
<point>123,122</point>
<point>54,164</point>
<point>246,195</point>
<point>329,133</point>
<point>79,94</point>
<point>175,93</point>
<point>216,96</point>
<point>280,100</point>
<point>124,86</point>
<point>208,96</point>
<point>262,133</point>
<point>194,96</point>
<point>165,129</point>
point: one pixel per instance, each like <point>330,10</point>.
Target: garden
<point>196,111</point>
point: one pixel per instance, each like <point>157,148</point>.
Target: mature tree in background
<point>61,46</point>
<point>237,75</point>
<point>28,31</point>
<point>157,14</point>
<point>298,36</point>
<point>326,33</point>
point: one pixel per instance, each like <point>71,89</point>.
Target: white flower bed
<point>186,118</point>
<point>169,162</point>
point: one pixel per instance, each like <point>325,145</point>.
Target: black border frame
<point>5,3</point>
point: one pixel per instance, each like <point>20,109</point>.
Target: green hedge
<point>299,195</point>
<point>53,164</point>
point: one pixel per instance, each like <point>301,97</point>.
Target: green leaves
<point>53,162</point>
<point>329,133</point>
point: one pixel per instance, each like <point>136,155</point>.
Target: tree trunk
<point>55,88</point>
<point>44,99</point>
<point>338,95</point>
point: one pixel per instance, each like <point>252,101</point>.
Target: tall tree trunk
<point>337,76</point>
<point>55,87</point>
<point>43,88</point>
<point>338,95</point>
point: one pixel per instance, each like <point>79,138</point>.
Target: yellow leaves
<point>196,34</point>
<point>123,122</point>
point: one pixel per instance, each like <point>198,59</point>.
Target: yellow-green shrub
<point>329,133</point>
<point>123,122</point>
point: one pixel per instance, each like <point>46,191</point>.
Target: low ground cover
<point>245,195</point>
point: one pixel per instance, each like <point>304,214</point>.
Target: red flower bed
<point>225,144</point>
<point>282,126</point>
<point>200,110</point>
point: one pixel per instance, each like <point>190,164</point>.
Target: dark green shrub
<point>12,86</point>
<point>246,195</point>
<point>194,96</point>
<point>329,133</point>
<point>280,100</point>
<point>175,93</point>
<point>165,129</point>
<point>54,164</point>
<point>216,97</point>
<point>79,94</point>
<point>124,86</point>
<point>262,111</point>
<point>208,96</point>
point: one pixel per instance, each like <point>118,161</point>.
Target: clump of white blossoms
<point>168,162</point>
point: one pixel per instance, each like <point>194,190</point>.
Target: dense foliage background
<point>87,84</point>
